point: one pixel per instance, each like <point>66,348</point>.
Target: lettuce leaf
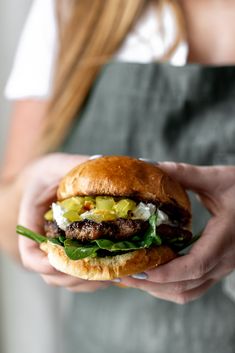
<point>31,234</point>
<point>116,246</point>
<point>76,250</point>
<point>151,237</point>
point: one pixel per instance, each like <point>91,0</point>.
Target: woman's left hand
<point>212,257</point>
<point>40,180</point>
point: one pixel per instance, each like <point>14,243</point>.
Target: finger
<point>32,209</point>
<point>220,271</point>
<point>70,161</point>
<point>172,288</point>
<point>63,280</point>
<point>202,180</point>
<point>30,215</point>
<point>63,163</point>
<point>88,287</point>
<point>41,193</point>
<point>205,254</point>
<point>33,258</point>
<point>193,177</point>
<point>47,196</point>
<point>185,297</point>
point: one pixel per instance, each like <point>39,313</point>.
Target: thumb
<point>191,177</point>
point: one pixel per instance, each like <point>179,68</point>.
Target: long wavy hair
<point>90,32</point>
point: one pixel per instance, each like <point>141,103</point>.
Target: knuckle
<point>82,289</point>
<point>230,236</point>
<point>26,264</point>
<point>182,299</point>
<point>200,268</point>
<point>71,289</point>
<point>198,272</point>
<point>153,294</point>
<point>180,166</point>
<point>178,287</point>
<point>48,280</point>
<point>228,265</point>
<point>228,268</point>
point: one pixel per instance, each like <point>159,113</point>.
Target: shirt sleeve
<point>32,71</point>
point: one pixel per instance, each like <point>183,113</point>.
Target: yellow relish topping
<point>99,208</point>
<point>48,215</point>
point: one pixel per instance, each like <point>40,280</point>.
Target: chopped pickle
<point>90,198</point>
<point>48,215</point>
<point>89,203</point>
<point>99,215</point>
<point>104,203</point>
<point>72,216</point>
<point>123,207</point>
<point>73,204</point>
<point>98,209</point>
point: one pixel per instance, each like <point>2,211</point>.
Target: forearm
<point>40,174</point>
<point>9,208</point>
<point>16,165</point>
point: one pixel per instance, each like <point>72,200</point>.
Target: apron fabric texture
<point>159,112</point>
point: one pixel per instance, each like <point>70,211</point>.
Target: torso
<point>210,29</point>
<point>160,112</point>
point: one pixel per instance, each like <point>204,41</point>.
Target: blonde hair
<point>90,32</point>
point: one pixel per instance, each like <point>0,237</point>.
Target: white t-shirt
<point>32,72</point>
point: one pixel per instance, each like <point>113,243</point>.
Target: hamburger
<point>115,216</point>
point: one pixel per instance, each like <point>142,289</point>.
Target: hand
<point>212,257</point>
<point>41,181</point>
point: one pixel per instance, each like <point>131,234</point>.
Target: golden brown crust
<point>107,268</point>
<point>126,177</point>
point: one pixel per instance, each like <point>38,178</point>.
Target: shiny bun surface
<point>123,176</point>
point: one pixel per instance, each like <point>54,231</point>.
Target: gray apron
<point>159,112</point>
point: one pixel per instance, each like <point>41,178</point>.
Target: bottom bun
<point>109,267</point>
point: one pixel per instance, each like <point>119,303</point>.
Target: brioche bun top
<point>122,176</point>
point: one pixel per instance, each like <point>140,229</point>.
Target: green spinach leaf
<point>151,237</point>
<point>55,241</point>
<point>30,234</point>
<point>76,251</point>
<point>117,246</point>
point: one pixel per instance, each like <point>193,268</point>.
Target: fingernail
<point>117,280</point>
<point>95,156</point>
<point>141,275</point>
<point>148,160</point>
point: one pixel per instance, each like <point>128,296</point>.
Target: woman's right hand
<point>41,182</point>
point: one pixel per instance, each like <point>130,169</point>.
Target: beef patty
<point>119,229</point>
<point>169,232</point>
<point>86,230</point>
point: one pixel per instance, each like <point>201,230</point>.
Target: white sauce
<point>143,211</point>
<point>162,218</point>
<point>58,212</point>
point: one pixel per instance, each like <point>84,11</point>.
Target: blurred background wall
<point>12,16</point>
<point>25,300</point>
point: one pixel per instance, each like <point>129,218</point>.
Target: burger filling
<point>105,226</point>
